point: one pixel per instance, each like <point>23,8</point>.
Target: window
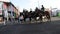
<point>9,12</point>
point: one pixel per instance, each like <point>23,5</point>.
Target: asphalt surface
<point>52,27</point>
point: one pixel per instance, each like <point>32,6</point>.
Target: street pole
<point>50,13</point>
<point>38,4</point>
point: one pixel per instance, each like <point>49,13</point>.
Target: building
<point>54,11</point>
<point>8,10</point>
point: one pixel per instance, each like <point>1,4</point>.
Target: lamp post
<point>38,4</point>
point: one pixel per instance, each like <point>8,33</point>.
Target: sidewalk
<point>55,18</point>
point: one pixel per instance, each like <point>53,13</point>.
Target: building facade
<point>8,10</point>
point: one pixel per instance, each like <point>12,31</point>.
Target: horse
<point>48,15</point>
<point>26,15</point>
<point>41,14</point>
<point>35,14</point>
<point>44,15</point>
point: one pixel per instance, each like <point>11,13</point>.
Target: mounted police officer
<point>42,9</point>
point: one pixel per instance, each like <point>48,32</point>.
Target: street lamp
<point>38,4</point>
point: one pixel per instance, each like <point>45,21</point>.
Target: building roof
<point>5,0</point>
<point>9,3</point>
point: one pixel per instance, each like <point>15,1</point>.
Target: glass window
<point>9,12</point>
<point>1,5</point>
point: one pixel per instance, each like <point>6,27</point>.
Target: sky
<point>27,4</point>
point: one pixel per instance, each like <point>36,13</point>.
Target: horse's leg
<point>49,18</point>
<point>10,19</point>
<point>18,20</point>
<point>40,18</point>
<point>36,19</point>
<point>24,19</point>
<point>30,18</point>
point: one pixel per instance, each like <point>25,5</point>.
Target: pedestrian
<point>21,18</point>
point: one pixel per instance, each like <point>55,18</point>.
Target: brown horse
<point>42,14</point>
<point>47,14</point>
<point>35,14</point>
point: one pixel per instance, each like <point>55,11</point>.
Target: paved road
<point>41,28</point>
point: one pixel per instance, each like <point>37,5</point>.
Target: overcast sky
<point>27,4</point>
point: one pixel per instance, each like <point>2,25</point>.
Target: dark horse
<point>26,14</point>
<point>44,14</point>
<point>35,14</point>
<point>41,14</point>
<point>47,14</point>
